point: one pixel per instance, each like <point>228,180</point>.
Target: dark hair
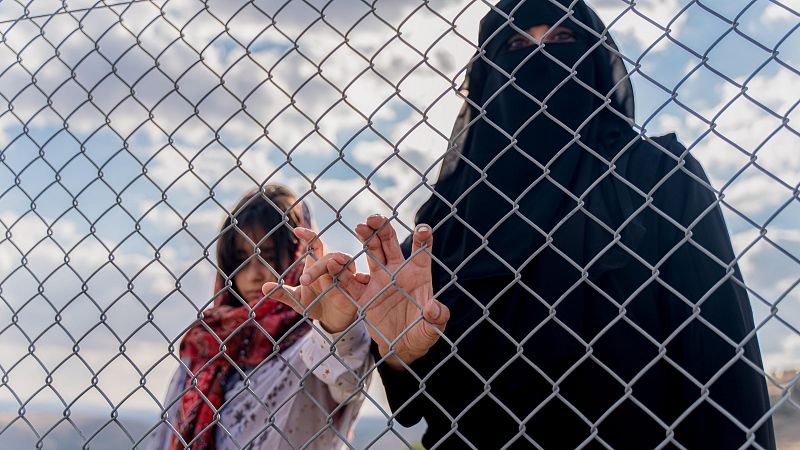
<point>260,210</point>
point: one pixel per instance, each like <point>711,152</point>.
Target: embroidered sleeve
<point>339,359</point>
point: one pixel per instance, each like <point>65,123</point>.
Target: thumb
<point>437,314</point>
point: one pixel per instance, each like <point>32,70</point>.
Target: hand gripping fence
<point>129,129</point>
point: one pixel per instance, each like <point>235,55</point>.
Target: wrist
<point>398,361</point>
<point>332,329</point>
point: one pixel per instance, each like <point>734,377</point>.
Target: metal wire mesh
<point>128,130</point>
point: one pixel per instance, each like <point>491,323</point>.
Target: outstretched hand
<point>333,306</point>
<point>390,311</point>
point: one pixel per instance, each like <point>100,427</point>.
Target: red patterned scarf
<point>245,345</point>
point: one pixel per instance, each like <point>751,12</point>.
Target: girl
<point>276,384</point>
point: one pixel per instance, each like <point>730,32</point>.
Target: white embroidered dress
<point>282,404</point>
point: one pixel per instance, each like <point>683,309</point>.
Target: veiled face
<point>540,76</point>
<point>560,35</point>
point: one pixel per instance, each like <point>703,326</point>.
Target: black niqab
<point>540,162</point>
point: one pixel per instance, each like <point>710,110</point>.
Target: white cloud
<point>89,264</point>
<point>748,124</point>
<point>756,194</point>
<point>780,11</point>
<point>631,25</point>
<point>72,378</point>
<point>786,357</point>
<point>366,90</point>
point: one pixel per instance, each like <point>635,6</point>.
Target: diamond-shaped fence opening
<point>172,171</point>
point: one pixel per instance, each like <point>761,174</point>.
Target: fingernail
<point>422,228</point>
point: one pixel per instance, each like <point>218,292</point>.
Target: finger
<point>426,333</point>
<point>361,277</point>
<point>311,238</point>
<point>437,313</point>
<point>344,261</point>
<point>288,295</point>
<point>341,267</point>
<point>388,237</point>
<point>375,221</point>
<point>375,257</point>
<point>339,263</point>
<point>336,264</point>
<point>313,272</point>
<point>423,239</point>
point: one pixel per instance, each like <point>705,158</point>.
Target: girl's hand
<point>334,305</point>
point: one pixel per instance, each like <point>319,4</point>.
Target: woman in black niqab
<point>594,296</point>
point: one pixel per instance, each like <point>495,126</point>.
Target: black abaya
<point>643,342</point>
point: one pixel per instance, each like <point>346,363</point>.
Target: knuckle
<point>430,332</point>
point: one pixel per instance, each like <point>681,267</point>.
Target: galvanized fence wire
<point>27,29</point>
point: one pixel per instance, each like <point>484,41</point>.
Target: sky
<point>126,132</point>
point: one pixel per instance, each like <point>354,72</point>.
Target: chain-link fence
<point>583,261</point>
